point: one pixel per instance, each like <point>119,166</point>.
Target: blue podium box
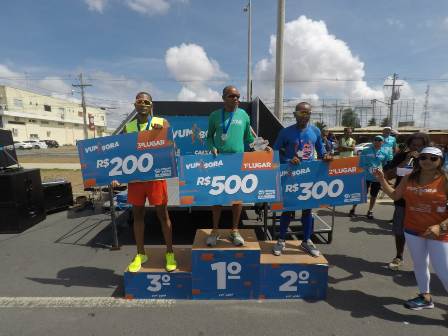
<point>293,275</point>
<point>154,282</point>
<point>225,271</point>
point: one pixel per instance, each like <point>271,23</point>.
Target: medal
<point>225,127</point>
<point>224,137</point>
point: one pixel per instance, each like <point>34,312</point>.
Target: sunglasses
<point>302,113</point>
<point>233,96</point>
<point>143,102</point>
<point>432,158</point>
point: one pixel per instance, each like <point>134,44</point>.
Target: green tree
<point>320,125</point>
<point>385,122</point>
<point>350,118</point>
<point>372,122</point>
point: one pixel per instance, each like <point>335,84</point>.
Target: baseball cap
<point>379,137</point>
<point>387,127</point>
<point>432,150</point>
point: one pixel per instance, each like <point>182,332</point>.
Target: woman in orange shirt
<point>425,191</point>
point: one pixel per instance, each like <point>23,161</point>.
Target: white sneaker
<point>212,239</point>
<point>309,247</point>
<point>278,247</point>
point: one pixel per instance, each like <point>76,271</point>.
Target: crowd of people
<point>419,189</point>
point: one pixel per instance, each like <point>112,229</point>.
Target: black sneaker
<point>351,213</point>
<point>419,303</point>
<point>369,215</point>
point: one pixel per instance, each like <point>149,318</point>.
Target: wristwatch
<point>444,227</point>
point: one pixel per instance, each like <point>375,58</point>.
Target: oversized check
<point>140,156</point>
<point>318,183</point>
<point>229,178</point>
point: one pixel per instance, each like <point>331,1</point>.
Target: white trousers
<point>422,251</point>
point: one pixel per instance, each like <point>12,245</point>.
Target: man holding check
<point>155,191</point>
<point>228,131</point>
<point>295,144</point>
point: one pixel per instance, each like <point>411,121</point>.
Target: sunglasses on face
<point>232,96</point>
<point>432,158</point>
<point>143,102</point>
<point>302,113</point>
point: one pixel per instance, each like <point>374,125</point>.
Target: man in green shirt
<point>347,144</point>
<point>228,131</point>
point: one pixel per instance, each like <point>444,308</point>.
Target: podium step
<point>154,282</point>
<point>293,275</point>
<point>225,271</point>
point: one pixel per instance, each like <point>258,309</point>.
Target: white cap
<point>432,150</point>
<point>387,127</point>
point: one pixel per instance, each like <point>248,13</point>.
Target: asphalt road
<point>59,277</point>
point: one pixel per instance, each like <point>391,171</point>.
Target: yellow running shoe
<point>171,264</point>
<point>136,264</point>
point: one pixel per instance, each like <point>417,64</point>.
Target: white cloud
<point>54,84</point>
<point>149,7</point>
<point>313,59</point>
<point>96,5</point>
<point>395,23</point>
<point>189,64</point>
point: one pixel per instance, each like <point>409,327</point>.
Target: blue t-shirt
<point>292,140</point>
<point>371,158</point>
<point>389,145</point>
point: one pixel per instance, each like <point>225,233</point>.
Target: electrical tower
<point>426,107</point>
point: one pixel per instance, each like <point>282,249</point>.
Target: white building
<point>30,115</point>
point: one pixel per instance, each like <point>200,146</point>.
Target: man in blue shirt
<point>373,157</point>
<point>297,143</point>
<point>389,144</point>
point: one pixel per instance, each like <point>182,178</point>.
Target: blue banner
<point>139,156</point>
<point>189,134</point>
<point>317,183</point>
<point>229,178</point>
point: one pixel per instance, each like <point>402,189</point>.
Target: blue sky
<point>123,46</point>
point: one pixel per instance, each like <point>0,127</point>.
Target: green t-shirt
<point>238,132</point>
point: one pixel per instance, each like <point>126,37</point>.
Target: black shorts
<point>374,187</point>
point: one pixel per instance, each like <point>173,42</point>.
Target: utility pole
<point>425,107</point>
<point>279,61</point>
<point>248,9</point>
<point>393,96</point>
<point>83,102</point>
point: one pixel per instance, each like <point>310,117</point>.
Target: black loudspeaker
<point>58,195</point>
<point>21,199</point>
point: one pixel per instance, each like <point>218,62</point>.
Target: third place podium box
<point>225,271</point>
<point>293,275</point>
<point>154,282</point>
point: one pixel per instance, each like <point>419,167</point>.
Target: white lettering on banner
<point>128,165</point>
<point>202,152</point>
<point>202,164</point>
<point>316,190</point>
<point>149,144</point>
<point>182,133</point>
<point>226,272</point>
<point>296,172</point>
<point>339,171</point>
<point>257,165</point>
<point>110,146</point>
<point>230,185</point>
<point>91,149</point>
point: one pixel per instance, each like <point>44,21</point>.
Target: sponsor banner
<point>317,183</point>
<point>139,156</point>
<point>189,134</point>
<point>229,178</point>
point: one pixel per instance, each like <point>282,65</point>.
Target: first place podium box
<point>293,275</point>
<point>154,282</point>
<point>225,271</point>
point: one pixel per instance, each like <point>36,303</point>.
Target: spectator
<point>347,143</point>
<point>390,143</point>
<point>425,191</point>
<point>402,165</point>
<point>372,157</point>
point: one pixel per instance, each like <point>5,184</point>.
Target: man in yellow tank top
<point>347,143</point>
<point>154,191</point>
